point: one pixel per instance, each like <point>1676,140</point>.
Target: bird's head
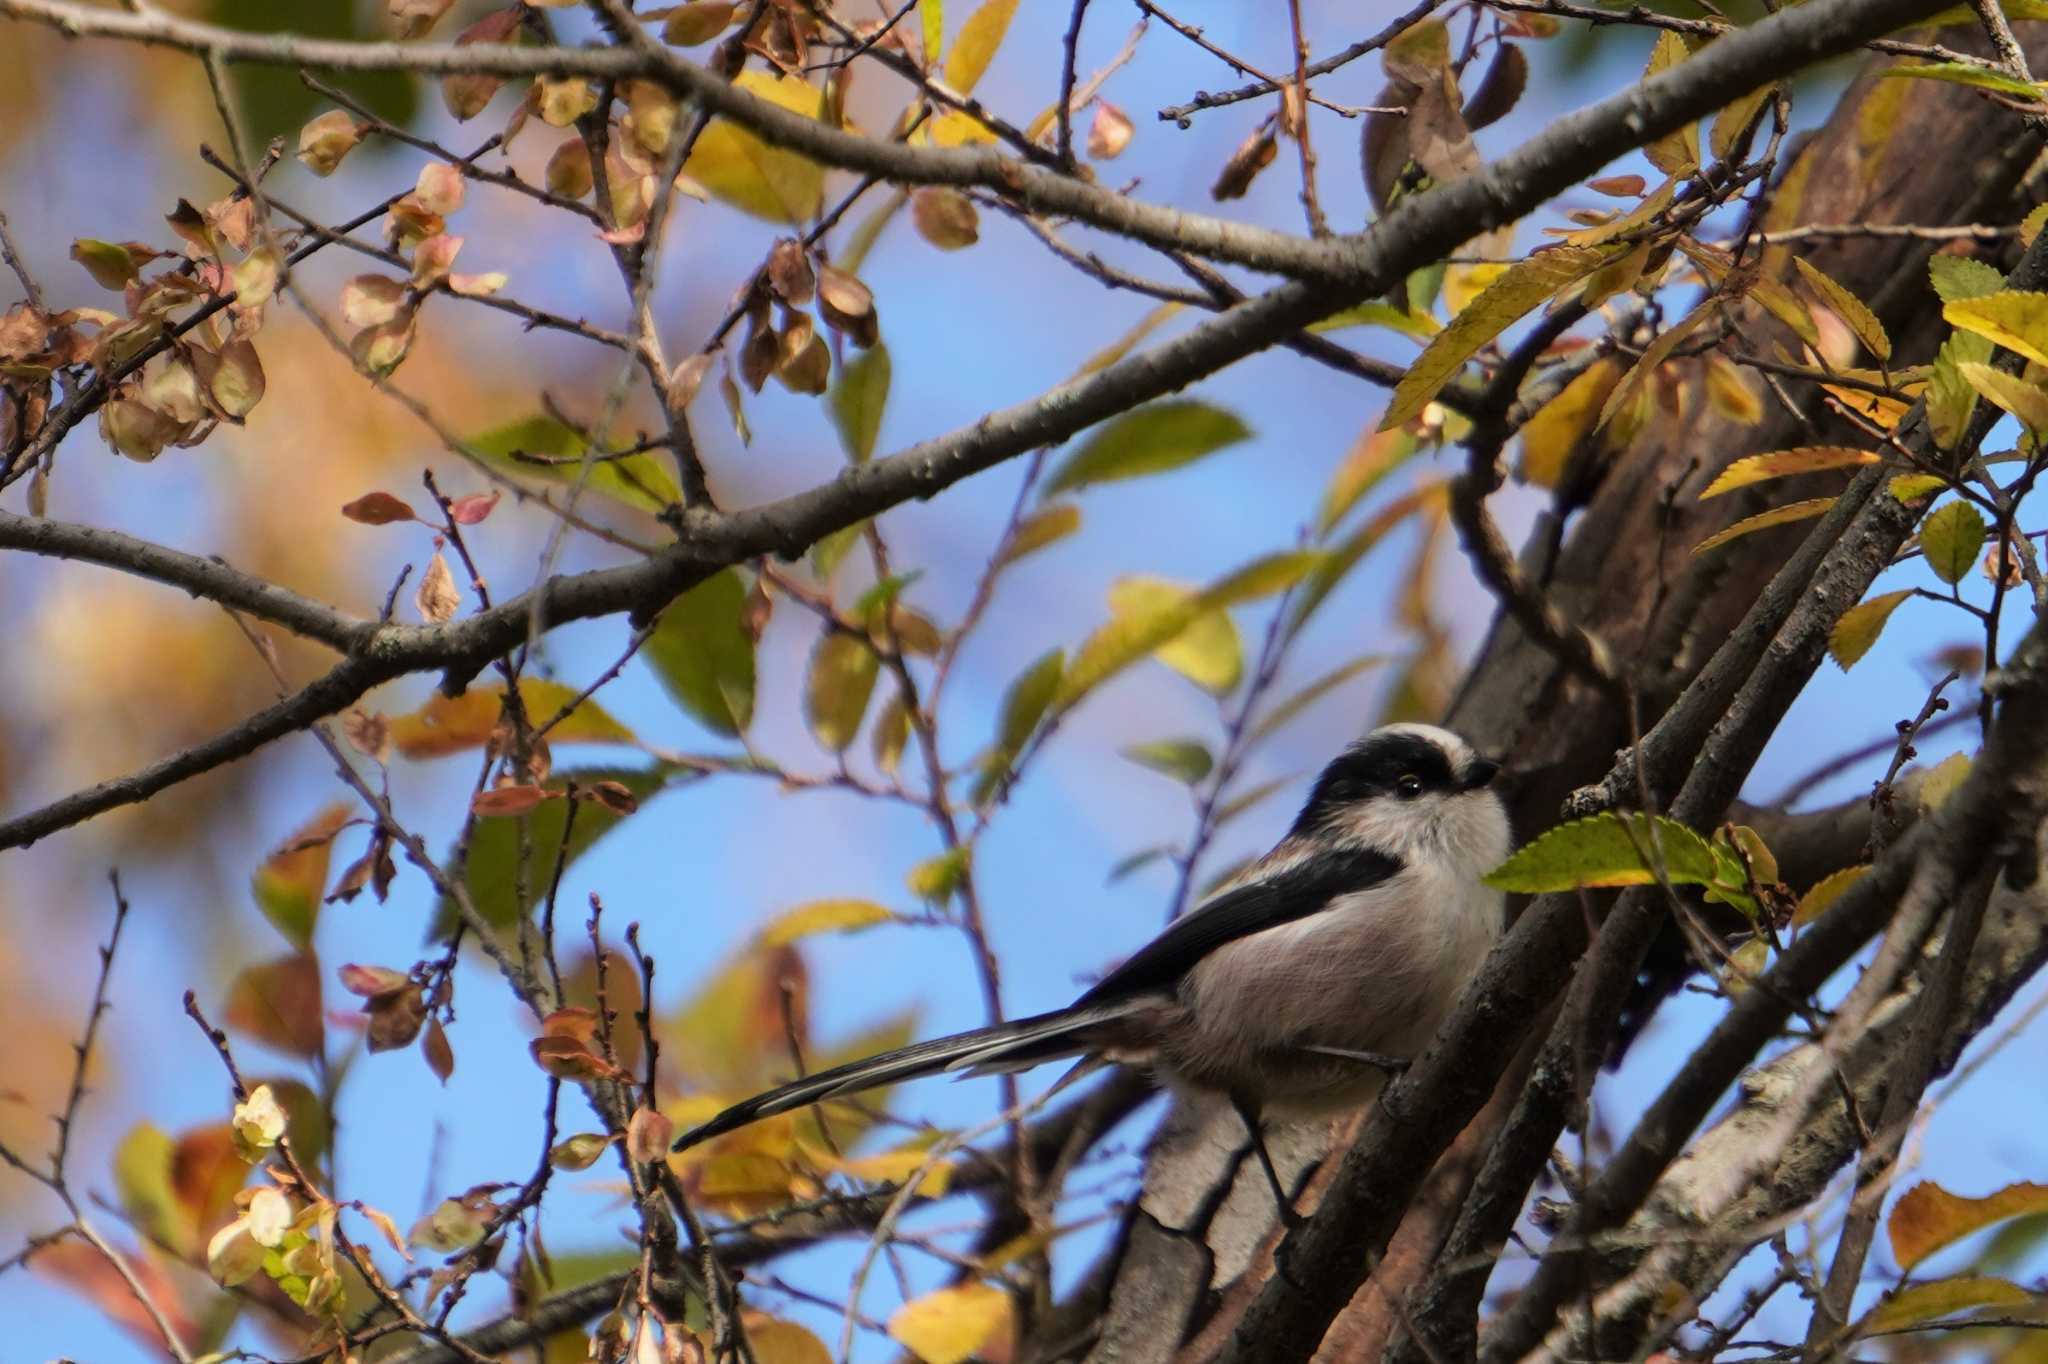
<point>1411,790</point>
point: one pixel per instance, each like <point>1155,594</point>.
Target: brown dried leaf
<point>568,170</point>
<point>945,217</point>
<point>438,599</point>
<point>278,1004</point>
<point>1109,132</point>
<point>439,1056</point>
<point>790,274</point>
<point>848,306</point>
<point>395,1018</point>
<point>1253,155</point>
<point>697,22</point>
<point>327,139</point>
<point>648,1134</point>
<point>517,799</point>
<point>687,378</point>
<point>472,509</point>
<point>378,509</point>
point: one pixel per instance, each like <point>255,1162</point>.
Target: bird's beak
<point>1479,772</point>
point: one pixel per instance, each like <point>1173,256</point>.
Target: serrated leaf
<point>1185,760</point>
<point>703,655</point>
<point>1967,73</point>
<point>2013,318</point>
<point>1853,311</point>
<point>1552,435</point>
<point>1153,439</point>
<point>1951,538</point>
<point>1734,118</point>
<point>1928,1217</point>
<point>1043,527</point>
<point>1824,893</point>
<point>498,887</point>
<point>1806,459</point>
<point>1776,516</point>
<point>1526,284</point>
<point>453,724</point>
<point>754,177</point>
<point>858,399</point>
<point>824,916</point>
<point>2027,401</point>
<point>1653,357</point>
<point>1913,487</point>
<point>1608,850</point>
<point>1957,278</point>
<point>1678,151</point>
<point>1860,626</point>
<point>1950,397</point>
<point>837,688</point>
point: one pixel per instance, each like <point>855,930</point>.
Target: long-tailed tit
<point>1295,986</point>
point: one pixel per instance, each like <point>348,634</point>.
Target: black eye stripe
<point>1376,767</point>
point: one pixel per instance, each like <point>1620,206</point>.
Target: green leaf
<point>1141,858</point>
<point>1246,800</point>
<point>291,882</point>
<point>857,401</point>
<point>1957,278</point>
<point>639,481</point>
<point>1526,284</point>
<point>1913,487</point>
<point>1776,516</point>
<point>1608,850</point>
<point>2027,401</point>
<point>1024,705</point>
<point>1845,305</point>
<point>832,549</point>
<point>1950,398</point>
<point>2013,318</point>
<point>1043,527</point>
<point>1309,695</point>
<point>1824,893</point>
<point>703,655</point>
<point>1421,326</point>
<point>1951,539</point>
<point>1185,760</point>
<point>891,733</point>
<point>1967,73</point>
<point>1920,1303</point>
<point>1207,652</point>
<point>492,872</point>
<point>1860,626</point>
<point>837,688</point>
<point>824,916</point>
<point>1807,459</point>
<point>1152,439</point>
<point>936,878</point>
<point>1160,618</point>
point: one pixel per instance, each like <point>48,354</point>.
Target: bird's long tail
<point>1017,1045</point>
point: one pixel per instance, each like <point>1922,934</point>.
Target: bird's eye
<point>1409,786</point>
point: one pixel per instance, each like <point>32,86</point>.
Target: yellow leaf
<point>738,167</point>
<point>783,1342</point>
<point>1878,408</point>
<point>1678,151</point>
<point>1550,437</point>
<point>1917,1304</point>
<point>1654,355</point>
<point>1524,285</point>
<point>1929,1217</point>
<point>1845,305</point>
<point>1913,487</point>
<point>952,1324</point>
<point>1733,118</point>
<point>2015,319</point>
<point>976,45</point>
<point>1375,455</point>
<point>1730,394</point>
<point>1206,651</point>
<point>836,692</point>
<point>1463,283</point>
<point>1860,626</point>
<point>894,1167</point>
<point>1655,203</point>
<point>824,916</point>
<point>1776,516</point>
<point>447,725</point>
<point>1941,781</point>
<point>2028,402</point>
<point>1807,459</point>
<point>290,883</point>
<point>957,128</point>
<point>1825,892</point>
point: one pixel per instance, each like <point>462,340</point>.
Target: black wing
<point>1268,902</point>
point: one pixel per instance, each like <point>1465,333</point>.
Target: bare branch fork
<point>1422,229</point>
